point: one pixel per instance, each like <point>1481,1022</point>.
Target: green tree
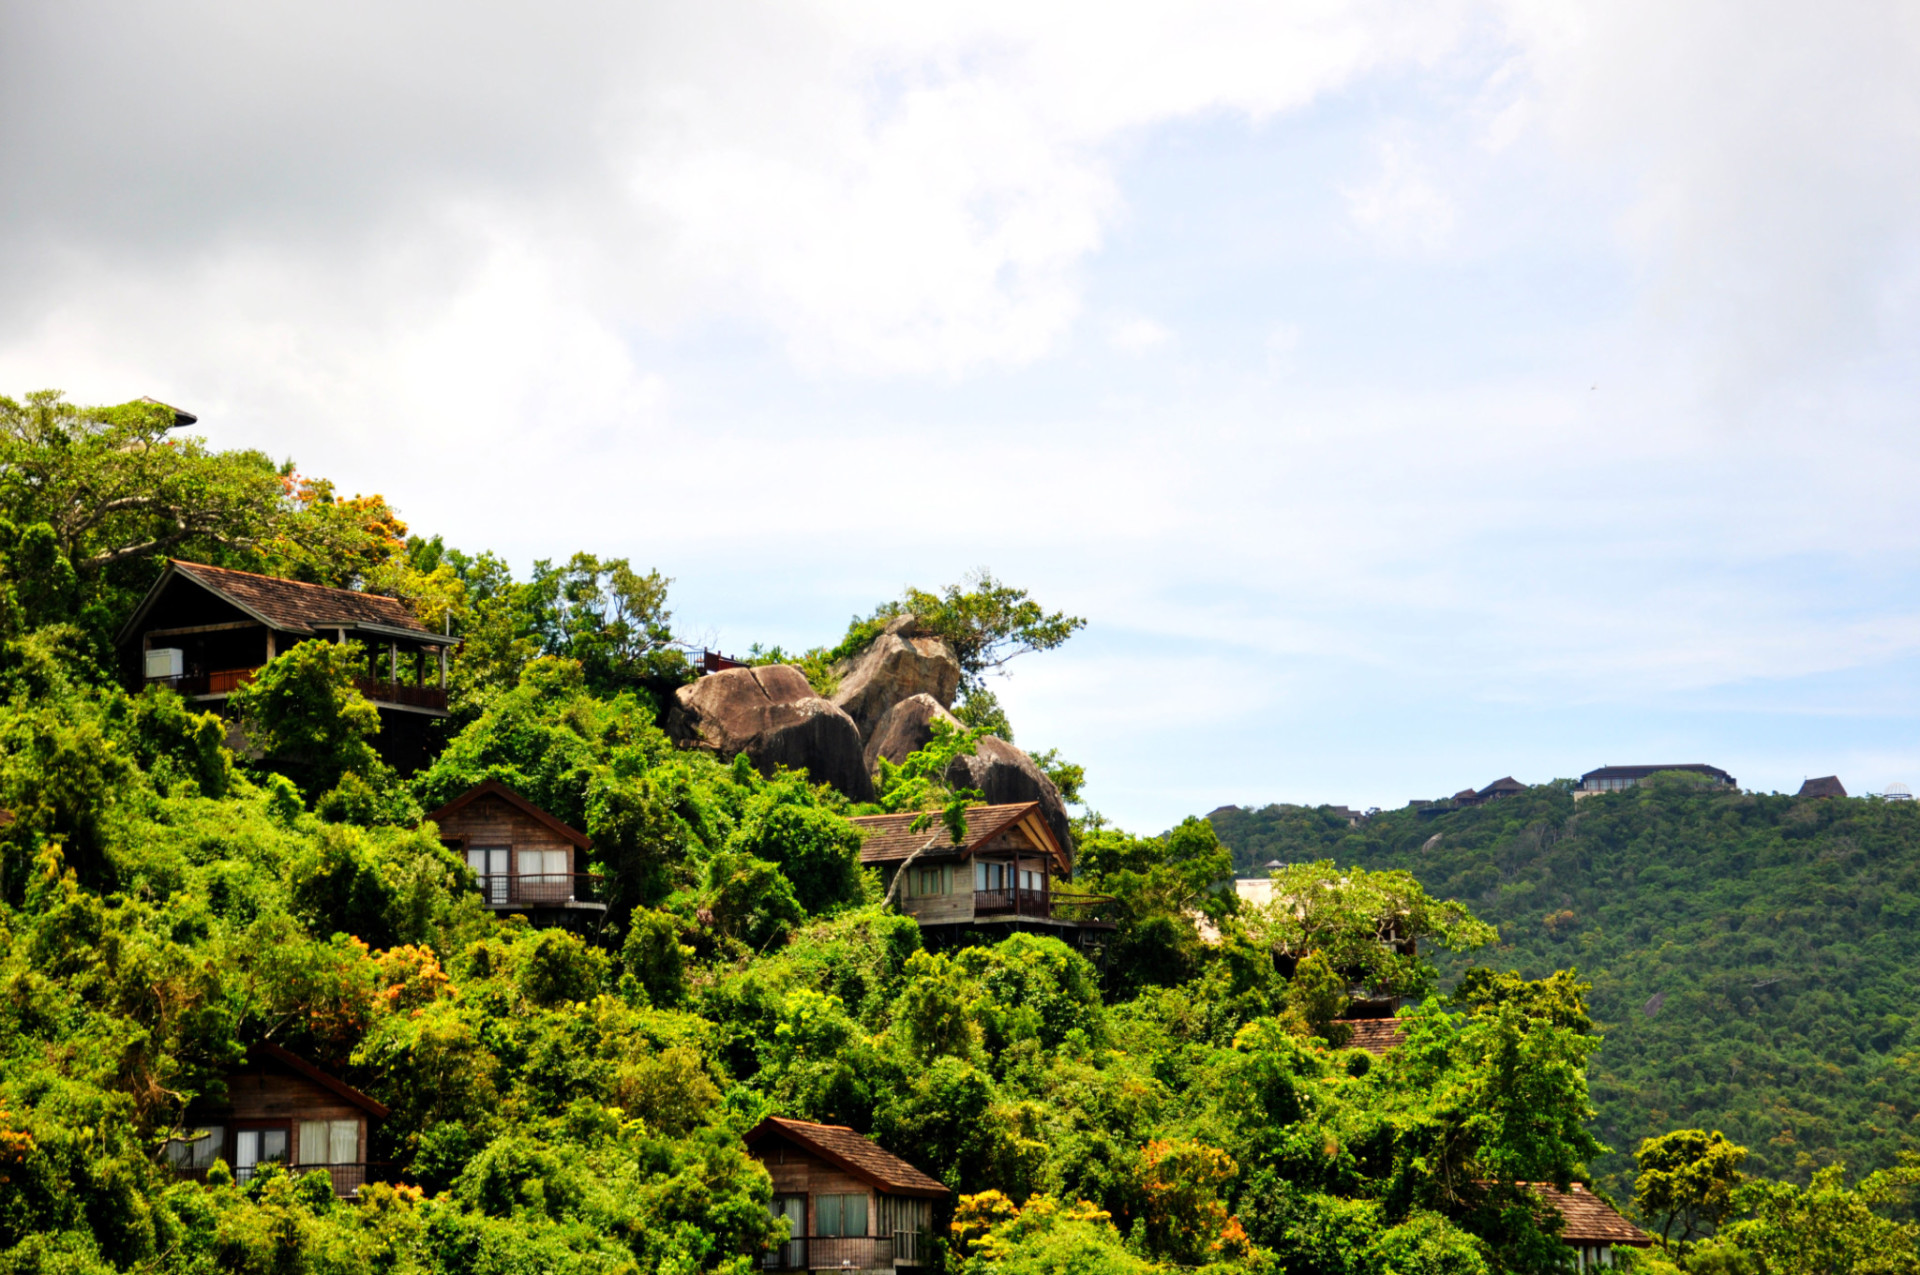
<point>1687,1178</point>
<point>1829,1228</point>
<point>986,623</point>
<point>302,711</point>
<point>115,486</point>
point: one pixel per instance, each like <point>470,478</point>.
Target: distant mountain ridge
<point>1755,959</point>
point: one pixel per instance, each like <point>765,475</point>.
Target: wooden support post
<point>393,663</point>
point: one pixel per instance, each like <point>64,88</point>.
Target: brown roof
<point>494,788</point>
<point>851,1153</point>
<point>1589,1219</point>
<point>1375,1035</point>
<point>288,605</point>
<point>1825,786</point>
<point>891,839</point>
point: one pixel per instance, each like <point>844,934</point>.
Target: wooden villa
<point>523,859</point>
<point>1589,1225</point>
<point>279,1109</point>
<point>1003,876</point>
<point>205,631</point>
<point>849,1204</point>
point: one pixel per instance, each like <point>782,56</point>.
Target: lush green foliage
<point>575,1102</point>
<point>1753,957</point>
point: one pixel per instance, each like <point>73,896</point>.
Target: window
<point>257,1146</point>
<point>839,1215</point>
<point>489,863</point>
<point>929,881</point>
<point>989,876</point>
<point>550,866</point>
<point>329,1142</point>
<point>199,1149</point>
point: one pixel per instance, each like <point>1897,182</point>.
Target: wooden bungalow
<point>1505,786</point>
<point>523,859</point>
<point>1004,876</point>
<point>1825,786</point>
<point>1590,1227</point>
<point>205,631</point>
<point>849,1205</point>
<point>279,1109</point>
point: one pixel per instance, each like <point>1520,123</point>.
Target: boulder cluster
<point>889,696</point>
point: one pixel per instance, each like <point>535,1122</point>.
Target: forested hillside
<point>181,892</point>
<point>1755,959</point>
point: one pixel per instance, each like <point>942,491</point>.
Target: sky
<point>1407,394</point>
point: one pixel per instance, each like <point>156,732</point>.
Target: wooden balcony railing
<point>833,1253</point>
<point>347,1178</point>
<point>223,681</point>
<point>228,680</point>
<point>434,697</point>
<point>515,889</point>
<point>1046,904</point>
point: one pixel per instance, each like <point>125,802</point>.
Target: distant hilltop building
<point>1825,786</point>
<point>1618,778</point>
<point>1506,786</point>
<point>1897,792</point>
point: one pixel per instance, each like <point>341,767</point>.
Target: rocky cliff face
<point>890,695</point>
<point>1004,775</point>
<point>906,728</point>
<point>899,664</point>
<point>772,715</point>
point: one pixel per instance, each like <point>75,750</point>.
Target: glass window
<point>257,1146</point>
<point>840,1214</point>
<point>343,1142</point>
<point>329,1142</point>
<point>199,1149</point>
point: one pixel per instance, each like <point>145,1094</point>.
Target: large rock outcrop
<point>906,728</point>
<point>899,664</point>
<point>1004,775</point>
<point>772,715</point>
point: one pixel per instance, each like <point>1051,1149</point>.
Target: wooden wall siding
<point>796,1172</point>
<point>939,909</point>
<point>489,821</point>
<point>260,1094</point>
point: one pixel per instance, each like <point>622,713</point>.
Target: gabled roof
<point>852,1154</point>
<point>1589,1219</point>
<point>1505,784</point>
<point>1378,1036</point>
<point>891,839</point>
<point>1826,786</point>
<point>295,1063</point>
<point>494,788</point>
<point>289,606</point>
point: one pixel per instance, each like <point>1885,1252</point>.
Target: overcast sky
<point>1407,394</point>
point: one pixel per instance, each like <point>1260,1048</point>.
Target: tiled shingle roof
<point>890,838</point>
<point>1589,1219</point>
<point>1375,1035</point>
<point>293,607</point>
<point>841,1146</point>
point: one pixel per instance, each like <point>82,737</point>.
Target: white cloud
<point>764,290</point>
<point>1401,208</point>
<point>1136,334</point>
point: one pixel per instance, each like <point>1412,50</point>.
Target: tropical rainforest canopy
<point>576,1103</point>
